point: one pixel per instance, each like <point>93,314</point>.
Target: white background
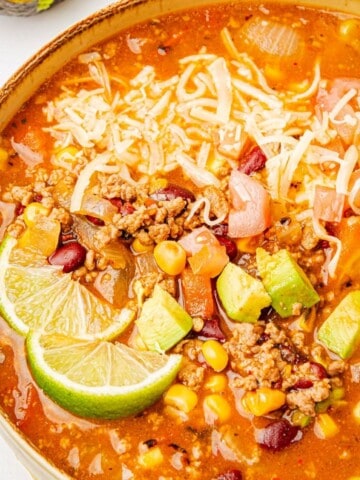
<point>20,38</point>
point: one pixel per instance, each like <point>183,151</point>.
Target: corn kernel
<point>66,155</point>
<point>34,210</point>
<point>356,412</point>
<point>157,184</point>
<point>349,31</point>
<point>263,400</point>
<point>307,320</point>
<point>247,244</point>
<point>152,458</point>
<point>325,426</point>
<point>139,247</point>
<point>217,383</point>
<point>273,73</point>
<point>215,355</point>
<point>181,397</point>
<point>4,157</point>
<point>216,408</point>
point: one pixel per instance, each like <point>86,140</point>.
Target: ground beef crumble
<point>264,355</point>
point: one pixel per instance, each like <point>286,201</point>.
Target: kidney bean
<point>95,221</point>
<point>230,475</point>
<point>302,384</point>
<point>318,370</point>
<point>220,229</point>
<point>19,209</point>
<point>211,329</point>
<point>71,256</point>
<point>229,244</point>
<point>127,209</point>
<point>172,191</point>
<point>277,435</point>
<point>117,202</point>
<point>252,161</point>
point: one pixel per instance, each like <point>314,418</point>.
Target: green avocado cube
<point>242,296</point>
<point>340,332</point>
<point>162,322</point>
<point>285,281</point>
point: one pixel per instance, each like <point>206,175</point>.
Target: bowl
<point>25,82</point>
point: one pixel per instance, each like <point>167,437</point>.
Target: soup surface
<point>197,175</point>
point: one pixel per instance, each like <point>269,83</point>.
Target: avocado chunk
<point>241,295</point>
<point>162,322</point>
<point>340,332</point>
<point>285,282</point>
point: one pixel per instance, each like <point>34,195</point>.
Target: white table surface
<point>20,38</point>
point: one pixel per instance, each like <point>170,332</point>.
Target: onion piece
<point>7,212</point>
<point>272,37</point>
<point>30,157</point>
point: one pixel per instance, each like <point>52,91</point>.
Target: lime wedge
<point>42,297</point>
<point>98,379</point>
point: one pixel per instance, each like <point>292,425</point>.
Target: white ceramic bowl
<point>23,84</point>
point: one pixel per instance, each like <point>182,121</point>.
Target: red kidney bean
<point>277,435</point>
<point>211,329</point>
<point>71,256</point>
<point>302,384</point>
<point>318,370</point>
<point>95,221</point>
<point>19,209</point>
<point>124,208</point>
<point>221,229</point>
<point>172,191</point>
<point>37,197</point>
<point>252,161</point>
<point>127,209</point>
<point>117,202</point>
<point>229,244</point>
<point>230,475</point>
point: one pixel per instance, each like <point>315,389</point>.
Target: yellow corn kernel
<point>263,400</point>
<point>247,244</point>
<point>216,408</point>
<point>157,184</point>
<point>181,397</point>
<point>66,155</point>
<point>215,355</point>
<point>217,383</point>
<point>170,257</point>
<point>33,211</point>
<point>273,73</point>
<point>152,458</point>
<point>356,412</point>
<point>139,247</point>
<point>4,157</point>
<point>325,427</point>
<point>349,31</point>
<point>307,320</point>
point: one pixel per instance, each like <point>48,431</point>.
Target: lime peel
<point>47,353</point>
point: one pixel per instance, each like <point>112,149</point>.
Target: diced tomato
<point>250,213</point>
<point>348,231</point>
<point>209,260</point>
<point>197,294</point>
<point>328,204</point>
<point>194,241</point>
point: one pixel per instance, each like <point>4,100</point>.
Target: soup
<point>179,264</point>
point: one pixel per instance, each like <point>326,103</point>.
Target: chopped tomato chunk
<point>197,294</point>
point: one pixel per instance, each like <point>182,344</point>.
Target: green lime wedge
<point>42,297</point>
<point>99,379</point>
